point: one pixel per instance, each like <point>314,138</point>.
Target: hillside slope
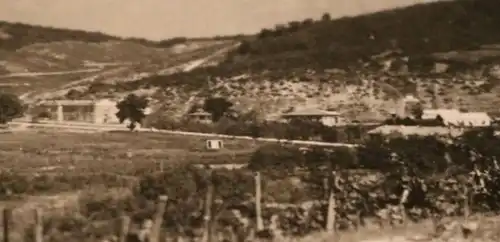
<point>361,66</point>
<point>37,60</point>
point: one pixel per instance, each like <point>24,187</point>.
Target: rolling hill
<point>332,63</point>
<point>35,61</point>
<point>361,65</point>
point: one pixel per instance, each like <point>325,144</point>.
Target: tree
<point>417,110</point>
<point>10,107</point>
<point>73,94</point>
<point>217,107</point>
<point>326,17</point>
<point>132,109</point>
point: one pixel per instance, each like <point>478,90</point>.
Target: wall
<point>105,112</point>
<point>332,121</point>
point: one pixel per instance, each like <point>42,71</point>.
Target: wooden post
<point>161,165</point>
<point>38,228</point>
<point>466,203</point>
<point>402,201</point>
<point>208,209</point>
<point>330,219</point>
<point>7,217</point>
<point>124,226</point>
<point>330,215</point>
<point>154,235</point>
<point>258,200</point>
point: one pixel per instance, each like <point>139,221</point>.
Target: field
<point>115,154</point>
<point>67,162</point>
<point>90,180</point>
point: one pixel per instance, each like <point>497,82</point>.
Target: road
<point>52,73</point>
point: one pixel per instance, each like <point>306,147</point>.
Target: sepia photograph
<point>249,120</point>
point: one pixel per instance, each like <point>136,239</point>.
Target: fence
<point>150,230</point>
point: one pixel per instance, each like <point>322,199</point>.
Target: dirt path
<point>54,73</point>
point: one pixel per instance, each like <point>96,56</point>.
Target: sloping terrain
<point>444,52</point>
<point>49,66</point>
<point>40,60</point>
<point>362,66</point>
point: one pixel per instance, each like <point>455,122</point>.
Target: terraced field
<point>116,152</point>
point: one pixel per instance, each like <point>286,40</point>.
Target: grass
<point>77,155</point>
<point>119,152</point>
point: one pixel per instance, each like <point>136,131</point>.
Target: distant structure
<point>396,131</point>
<point>200,116</point>
<point>327,118</point>
<point>88,111</point>
<point>453,117</point>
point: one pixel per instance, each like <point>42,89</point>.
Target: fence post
<point>258,200</point>
<point>124,226</point>
<point>466,203</point>
<point>7,217</point>
<point>38,228</point>
<point>331,214</point>
<point>208,209</point>
<point>154,235</point>
<point>402,201</point>
<point>161,165</point>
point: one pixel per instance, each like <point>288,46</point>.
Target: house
<point>88,111</point>
<point>453,117</point>
<point>200,116</point>
<point>327,118</point>
<point>406,131</point>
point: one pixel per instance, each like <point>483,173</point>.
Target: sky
<point>162,19</point>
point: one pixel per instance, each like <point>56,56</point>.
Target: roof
<point>410,98</point>
<point>415,130</point>
<point>78,102</point>
<point>68,102</point>
<point>310,112</point>
<point>455,117</point>
<point>200,113</point>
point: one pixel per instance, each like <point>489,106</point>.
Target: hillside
<point>359,65</point>
<point>40,60</point>
<point>332,63</point>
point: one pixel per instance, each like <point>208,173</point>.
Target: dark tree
<point>132,108</point>
<point>417,111</point>
<point>73,94</point>
<point>326,17</point>
<point>10,107</point>
<point>217,107</point>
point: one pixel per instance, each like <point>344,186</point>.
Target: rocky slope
<point>445,52</point>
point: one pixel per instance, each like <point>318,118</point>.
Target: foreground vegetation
<point>443,179</point>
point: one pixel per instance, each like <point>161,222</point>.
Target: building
<point>200,116</point>
<point>88,111</point>
<point>407,131</point>
<point>327,118</point>
<point>453,117</point>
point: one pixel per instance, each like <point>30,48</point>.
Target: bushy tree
<point>132,109</point>
<point>10,107</point>
<point>217,106</point>
<point>73,94</point>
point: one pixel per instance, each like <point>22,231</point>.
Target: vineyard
<point>285,192</point>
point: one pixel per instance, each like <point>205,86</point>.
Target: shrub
<point>10,107</point>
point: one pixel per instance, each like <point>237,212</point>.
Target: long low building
<point>101,111</point>
<point>453,117</point>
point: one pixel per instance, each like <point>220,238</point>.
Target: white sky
<point>159,19</point>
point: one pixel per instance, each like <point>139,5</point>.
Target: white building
<point>327,118</point>
<point>453,117</point>
<point>88,111</point>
